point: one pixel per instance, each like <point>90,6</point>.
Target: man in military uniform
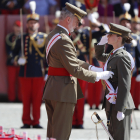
<point>13,69</point>
<point>31,71</point>
<point>118,102</point>
<point>62,89</point>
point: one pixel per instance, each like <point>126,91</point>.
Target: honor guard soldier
<point>118,102</point>
<point>13,68</point>
<point>98,30</point>
<point>125,20</point>
<point>81,39</point>
<point>32,71</point>
<point>137,93</point>
<point>136,36</point>
<point>62,89</point>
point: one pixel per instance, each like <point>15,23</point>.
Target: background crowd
<point>48,7</point>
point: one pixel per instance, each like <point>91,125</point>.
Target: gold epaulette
<point>12,44</point>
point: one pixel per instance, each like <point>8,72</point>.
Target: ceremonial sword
<point>101,121</point>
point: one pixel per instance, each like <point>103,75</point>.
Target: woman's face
<point>112,39</point>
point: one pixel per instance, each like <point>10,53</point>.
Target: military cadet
<point>13,69</point>
<point>62,89</point>
<point>31,71</point>
<point>125,20</point>
<point>118,102</point>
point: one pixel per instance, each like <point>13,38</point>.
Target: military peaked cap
<point>119,30</point>
<point>76,11</point>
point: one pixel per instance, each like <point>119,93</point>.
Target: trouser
<point>136,96</point>
<point>120,130</point>
<point>79,108</point>
<point>94,93</point>
<point>32,91</point>
<point>59,119</point>
<point>13,83</point>
<point>133,86</point>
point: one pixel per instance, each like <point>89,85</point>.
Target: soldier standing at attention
<point>118,102</point>
<point>32,71</point>
<point>13,69</point>
<point>62,89</point>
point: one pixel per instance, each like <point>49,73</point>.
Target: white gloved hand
<point>105,75</point>
<point>103,40</point>
<point>120,116</point>
<point>21,61</point>
<point>96,69</point>
<point>134,43</point>
<point>92,18</point>
<point>46,76</point>
<point>138,78</point>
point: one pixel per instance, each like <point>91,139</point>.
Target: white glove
<point>92,18</point>
<point>134,43</point>
<point>105,75</point>
<point>46,76</point>
<point>120,116</point>
<point>21,61</point>
<point>103,40</point>
<point>138,78</point>
<point>96,69</point>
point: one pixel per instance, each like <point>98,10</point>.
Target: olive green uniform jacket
<point>120,64</point>
<point>63,55</point>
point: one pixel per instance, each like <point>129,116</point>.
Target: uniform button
<point>36,53</point>
<point>110,66</point>
<point>36,58</point>
<point>72,82</point>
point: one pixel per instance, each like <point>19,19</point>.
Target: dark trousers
<point>120,130</point>
<point>59,119</point>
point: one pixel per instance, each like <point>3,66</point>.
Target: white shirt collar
<point>118,49</point>
<point>63,28</point>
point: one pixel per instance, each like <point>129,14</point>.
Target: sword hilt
<point>99,119</point>
<point>97,116</point>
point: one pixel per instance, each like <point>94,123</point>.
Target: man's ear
<point>68,19</point>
